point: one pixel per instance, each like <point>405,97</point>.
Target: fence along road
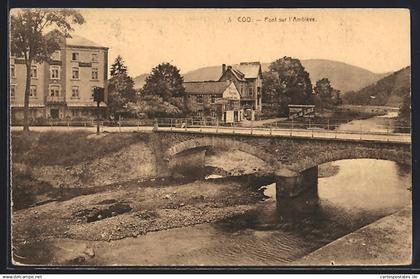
<point>175,125</point>
<point>304,133</point>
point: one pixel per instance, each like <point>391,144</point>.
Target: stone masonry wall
<point>289,153</point>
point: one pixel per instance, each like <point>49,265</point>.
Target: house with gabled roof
<point>247,77</point>
<point>217,99</point>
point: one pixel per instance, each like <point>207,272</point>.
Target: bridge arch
<point>221,143</point>
<point>348,154</point>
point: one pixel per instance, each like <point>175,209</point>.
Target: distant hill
<point>388,91</point>
<point>343,76</point>
<point>140,80</point>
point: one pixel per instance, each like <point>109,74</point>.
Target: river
<point>357,195</point>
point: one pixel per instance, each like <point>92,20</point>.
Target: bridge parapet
<point>287,156</point>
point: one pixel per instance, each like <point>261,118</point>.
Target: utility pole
<point>98,97</point>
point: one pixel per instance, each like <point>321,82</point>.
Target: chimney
<point>223,68</point>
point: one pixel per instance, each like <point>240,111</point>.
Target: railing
<point>291,129</point>
<point>382,132</point>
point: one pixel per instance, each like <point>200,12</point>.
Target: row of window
<point>55,72</point>
<point>94,73</point>
<point>74,56</point>
<point>54,91</point>
<point>199,99</point>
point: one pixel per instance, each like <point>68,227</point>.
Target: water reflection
<point>357,195</point>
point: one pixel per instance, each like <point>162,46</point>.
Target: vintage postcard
<point>210,137</point>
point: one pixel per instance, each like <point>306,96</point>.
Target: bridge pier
<point>297,196</point>
<point>293,186</point>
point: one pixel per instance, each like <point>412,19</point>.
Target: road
<point>304,133</point>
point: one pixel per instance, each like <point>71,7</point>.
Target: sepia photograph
<point>210,137</point>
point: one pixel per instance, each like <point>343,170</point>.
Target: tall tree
<point>273,96</point>
<point>120,88</point>
<point>324,92</point>
<point>289,83</point>
<point>29,39</point>
<point>118,67</point>
<point>164,81</point>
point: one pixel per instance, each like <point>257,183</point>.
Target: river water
<point>357,195</point>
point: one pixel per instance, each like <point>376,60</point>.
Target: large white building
<point>62,88</point>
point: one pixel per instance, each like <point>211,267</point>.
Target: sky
<point>374,39</point>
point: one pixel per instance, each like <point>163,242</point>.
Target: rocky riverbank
<point>128,212</point>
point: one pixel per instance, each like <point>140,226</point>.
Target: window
<point>213,99</point>
<point>199,99</point>
<point>54,90</point>
<point>55,72</point>
<point>75,73</point>
<point>94,73</point>
<point>32,91</point>
<point>56,55</point>
<point>94,57</point>
<point>75,92</point>
<point>12,90</point>
<point>250,91</point>
<point>75,56</point>
<point>34,72</point>
<point>12,71</point>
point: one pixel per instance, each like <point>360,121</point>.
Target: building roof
<point>249,69</point>
<point>206,87</point>
<point>76,40</point>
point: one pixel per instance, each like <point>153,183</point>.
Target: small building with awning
<point>215,99</point>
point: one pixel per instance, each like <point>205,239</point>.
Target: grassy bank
<point>56,154</point>
<point>67,148</point>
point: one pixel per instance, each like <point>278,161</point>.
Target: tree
<point>154,106</point>
<point>336,97</point>
<point>165,82</point>
<point>325,93</point>
<point>286,83</point>
<point>118,67</point>
<point>272,97</point>
<point>404,113</point>
<point>30,40</point>
<point>120,88</point>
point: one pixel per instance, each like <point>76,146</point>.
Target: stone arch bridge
<point>290,159</point>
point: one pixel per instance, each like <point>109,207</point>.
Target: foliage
<point>273,95</point>
<point>118,67</point>
<point>164,81</point>
<point>120,88</point>
<point>154,106</point>
<point>325,95</point>
<point>286,83</point>
<point>163,94</point>
<point>404,114</point>
<point>28,38</point>
<point>388,91</point>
